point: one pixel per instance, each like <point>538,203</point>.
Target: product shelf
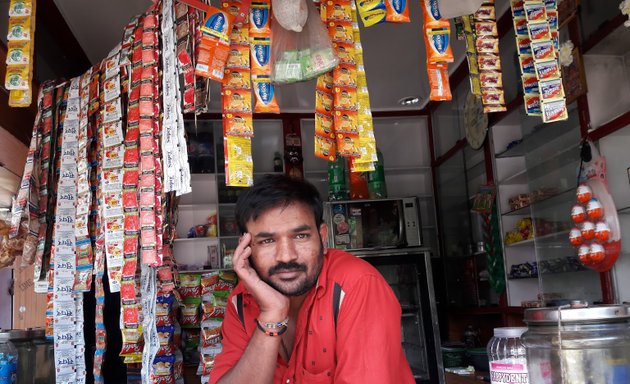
<point>541,135</point>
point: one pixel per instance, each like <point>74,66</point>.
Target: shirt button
<point>288,381</point>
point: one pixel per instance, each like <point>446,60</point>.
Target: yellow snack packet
<point>238,149</point>
<point>20,98</point>
<point>18,52</point>
<point>239,174</point>
<point>361,167</point>
<point>239,167</point>
<point>17,77</point>
<point>20,8</point>
<point>19,28</point>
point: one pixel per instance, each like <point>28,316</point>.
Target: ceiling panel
<point>394,53</point>
<point>98,25</point>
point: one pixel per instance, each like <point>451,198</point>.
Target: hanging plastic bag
<point>301,56</point>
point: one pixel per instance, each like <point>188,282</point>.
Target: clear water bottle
<point>8,360</point>
<point>507,356</point>
<point>376,179</point>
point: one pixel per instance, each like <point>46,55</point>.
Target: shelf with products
<point>537,165</point>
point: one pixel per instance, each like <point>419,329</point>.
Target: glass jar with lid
<point>578,344</point>
<point>507,356</point>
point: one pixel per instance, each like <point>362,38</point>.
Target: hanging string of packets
<point>482,52</point>
<point>343,118</point>
<point>438,50</point>
<point>107,206</point>
<point>537,41</point>
<point>20,49</point>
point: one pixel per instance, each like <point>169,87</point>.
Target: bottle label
<point>509,372</point>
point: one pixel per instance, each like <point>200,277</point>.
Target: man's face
<point>287,249</point>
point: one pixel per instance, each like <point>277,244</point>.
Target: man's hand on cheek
<point>274,306</point>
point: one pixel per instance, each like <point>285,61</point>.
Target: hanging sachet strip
<point>61,102</point>
<point>64,306</point>
<point>83,281</point>
<point>185,39</point>
<point>148,110</point>
<point>47,156</point>
<point>345,96</point>
<point>97,233</point>
<point>111,176</point>
<point>174,152</point>
<point>367,141</point>
<point>130,313</point>
<point>20,209</point>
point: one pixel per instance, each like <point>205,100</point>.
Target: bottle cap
<point>509,332</point>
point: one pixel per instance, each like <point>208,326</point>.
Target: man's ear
<point>323,233</point>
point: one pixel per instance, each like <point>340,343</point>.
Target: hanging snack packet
<point>238,124</point>
<point>439,82</point>
<point>212,52</point>
<point>19,28</point>
<point>372,12</point>
<point>265,95</point>
<point>348,144</point>
<point>259,18</point>
<point>239,170</point>
<point>437,46</point>
<point>432,17</point>
<point>397,11</point>
<point>18,52</point>
<point>325,148</point>
<point>532,104</point>
<point>554,110</point>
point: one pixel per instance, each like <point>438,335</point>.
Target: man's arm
<point>369,336</point>
<point>257,364</point>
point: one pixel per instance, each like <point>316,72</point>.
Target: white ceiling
<point>394,53</point>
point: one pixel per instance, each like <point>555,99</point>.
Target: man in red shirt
<point>302,313</point>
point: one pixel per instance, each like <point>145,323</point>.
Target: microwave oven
<point>373,224</point>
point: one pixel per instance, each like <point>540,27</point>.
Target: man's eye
<point>302,236</point>
<point>266,241</point>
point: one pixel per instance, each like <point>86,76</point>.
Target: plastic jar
<point>8,360</point>
<point>507,356</point>
<point>578,344</point>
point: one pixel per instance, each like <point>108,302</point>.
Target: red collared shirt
<point>364,348</point>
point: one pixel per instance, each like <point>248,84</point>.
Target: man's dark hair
<point>273,191</point>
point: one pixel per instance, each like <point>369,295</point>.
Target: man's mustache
<point>284,267</point>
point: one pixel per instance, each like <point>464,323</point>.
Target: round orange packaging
<point>578,214</point>
<point>575,237</point>
<point>594,209</point>
<point>602,231</point>
<point>584,254</point>
<point>584,193</point>
<point>588,230</point>
<point>596,253</point>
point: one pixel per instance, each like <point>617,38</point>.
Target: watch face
<point>475,121</point>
